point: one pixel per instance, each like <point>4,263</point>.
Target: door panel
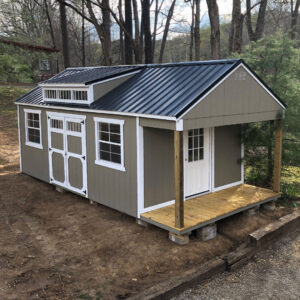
<point>57,140</point>
<point>196,161</point>
<point>58,167</point>
<point>74,144</point>
<point>75,172</point>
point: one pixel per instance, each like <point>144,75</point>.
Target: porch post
<point>178,176</point>
<point>277,155</point>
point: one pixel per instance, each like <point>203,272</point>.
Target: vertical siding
<point>107,186</point>
<point>34,161</point>
<point>227,155</point>
<point>158,166</point>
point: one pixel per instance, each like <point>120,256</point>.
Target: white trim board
<point>140,167</point>
<point>95,111</point>
<point>221,81</point>
<point>28,143</point>
<point>19,138</point>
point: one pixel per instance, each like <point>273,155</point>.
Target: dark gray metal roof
<point>158,89</point>
<point>90,74</point>
<point>166,89</point>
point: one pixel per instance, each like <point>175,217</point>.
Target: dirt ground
<point>59,246</point>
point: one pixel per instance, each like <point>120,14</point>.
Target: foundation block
<point>207,233</point>
<point>270,206</point>
<point>179,239</point>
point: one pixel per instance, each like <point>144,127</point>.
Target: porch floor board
<point>209,208</point>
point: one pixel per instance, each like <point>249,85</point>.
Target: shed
<point>159,142</point>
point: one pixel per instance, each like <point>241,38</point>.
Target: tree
<point>128,36</point>
<point>64,33</point>
<point>236,28</point>
<point>294,17</point>
<point>213,12</point>
<point>166,31</point>
<point>147,31</point>
<point>260,23</point>
<point>197,30</point>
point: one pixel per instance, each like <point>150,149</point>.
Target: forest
<point>265,33</point>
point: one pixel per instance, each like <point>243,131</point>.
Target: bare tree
<point>128,37</point>
<point>50,23</point>
<point>192,31</point>
<point>82,36</point>
<point>294,17</point>
<point>122,56</point>
<point>138,58</point>
<point>166,31</point>
<point>64,33</point>
<point>147,31</point>
<point>260,22</point>
<point>213,12</point>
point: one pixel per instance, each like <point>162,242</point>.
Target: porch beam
<point>277,155</point>
<point>178,176</point>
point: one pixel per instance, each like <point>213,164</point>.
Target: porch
<point>209,208</point>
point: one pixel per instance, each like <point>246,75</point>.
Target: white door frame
<point>65,132</point>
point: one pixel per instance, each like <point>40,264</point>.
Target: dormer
<point>83,86</point>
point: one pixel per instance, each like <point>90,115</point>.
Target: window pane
<point>190,132</point>
<point>115,138</point>
<point>33,135</point>
<point>104,127</point>
<point>36,124</point>
<point>114,128</point>
<point>201,153</point>
<point>104,136</point>
<point>30,123</point>
<point>201,130</point>
<point>190,142</point>
<point>196,131</point>
<point>116,149</point>
<point>116,158</point>
<point>201,141</point>
<point>105,155</point>
<point>196,154</point>
<point>105,147</point>
<point>190,155</point>
<point>36,117</point>
<point>196,142</point>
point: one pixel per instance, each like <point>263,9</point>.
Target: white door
<point>67,151</point>
<point>196,161</point>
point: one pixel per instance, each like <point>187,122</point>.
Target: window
<point>33,128</point>
<point>109,143</point>
<point>196,144</point>
<point>80,95</point>
<point>66,95</point>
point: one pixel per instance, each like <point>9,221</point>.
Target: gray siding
<point>157,123</point>
<point>158,166</point>
<point>34,161</point>
<point>103,88</point>
<point>239,99</point>
<point>107,186</point>
<point>227,155</point>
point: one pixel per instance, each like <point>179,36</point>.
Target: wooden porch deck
<point>209,208</point>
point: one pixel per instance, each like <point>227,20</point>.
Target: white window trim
<point>72,89</point>
<point>31,144</point>
<point>105,163</point>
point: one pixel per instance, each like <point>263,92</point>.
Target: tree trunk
<point>192,31</point>
<point>260,23</point>
<point>137,55</point>
<point>197,30</point>
<point>103,30</point>
<point>236,29</point>
<point>128,26</point>
<point>213,12</point>
<point>122,58</point>
<point>147,31</point>
<point>83,37</point>
<point>50,23</point>
<point>294,18</point>
<point>64,34</point>
<point>166,31</point>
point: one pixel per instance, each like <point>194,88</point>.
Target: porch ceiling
<point>209,208</point>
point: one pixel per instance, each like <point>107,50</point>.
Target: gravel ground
<point>273,274</point>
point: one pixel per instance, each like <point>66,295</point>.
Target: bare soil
<point>59,246</point>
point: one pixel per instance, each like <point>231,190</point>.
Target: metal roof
<point>166,89</point>
<point>158,89</point>
<point>89,75</point>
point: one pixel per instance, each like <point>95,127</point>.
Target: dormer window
<point>66,95</point>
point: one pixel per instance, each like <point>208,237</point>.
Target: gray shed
<point>159,142</point>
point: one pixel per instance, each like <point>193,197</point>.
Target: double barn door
<point>67,151</point>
